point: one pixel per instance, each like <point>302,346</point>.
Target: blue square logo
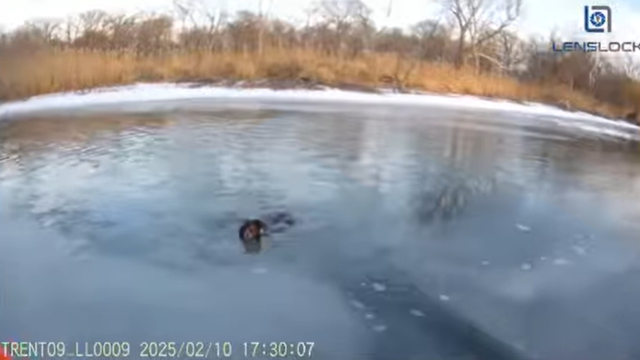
<point>597,18</point>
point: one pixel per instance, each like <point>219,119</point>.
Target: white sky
<point>539,16</point>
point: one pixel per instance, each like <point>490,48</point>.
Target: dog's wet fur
<point>255,229</point>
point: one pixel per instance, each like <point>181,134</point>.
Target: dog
<point>251,233</point>
<point>252,230</point>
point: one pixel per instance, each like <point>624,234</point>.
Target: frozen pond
<point>421,233</point>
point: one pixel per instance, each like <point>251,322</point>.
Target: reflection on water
<point>252,246</point>
<point>438,235</point>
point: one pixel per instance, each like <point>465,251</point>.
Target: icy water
<point>419,233</point>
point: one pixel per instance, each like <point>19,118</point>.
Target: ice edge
<point>170,91</point>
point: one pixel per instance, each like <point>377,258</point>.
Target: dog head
<point>252,230</point>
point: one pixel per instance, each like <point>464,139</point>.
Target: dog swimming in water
<point>252,231</point>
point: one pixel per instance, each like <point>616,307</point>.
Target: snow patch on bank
<point>168,91</point>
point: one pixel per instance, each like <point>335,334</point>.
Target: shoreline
<point>284,90</point>
<point>280,70</point>
<point>309,84</point>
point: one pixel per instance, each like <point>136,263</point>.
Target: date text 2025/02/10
<point>113,350</point>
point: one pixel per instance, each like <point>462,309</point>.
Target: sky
<point>539,17</point>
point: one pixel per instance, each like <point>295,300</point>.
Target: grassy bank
<point>49,71</point>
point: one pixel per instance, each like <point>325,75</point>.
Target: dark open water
<point>420,234</point>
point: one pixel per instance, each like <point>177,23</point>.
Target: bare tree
<point>631,66</point>
<point>596,69</point>
<point>263,18</point>
<point>342,13</point>
<point>71,30</point>
<point>201,23</point>
<point>92,26</point>
<point>47,29</point>
<point>94,20</point>
<point>27,38</point>
<point>122,31</point>
<point>510,50</point>
<point>153,34</point>
<point>184,10</point>
<point>478,21</point>
<point>244,32</point>
<point>433,39</point>
<point>340,17</point>
<point>283,34</point>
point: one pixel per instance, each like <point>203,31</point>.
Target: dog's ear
<point>263,226</point>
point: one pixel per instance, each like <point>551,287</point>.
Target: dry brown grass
<point>50,71</point>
